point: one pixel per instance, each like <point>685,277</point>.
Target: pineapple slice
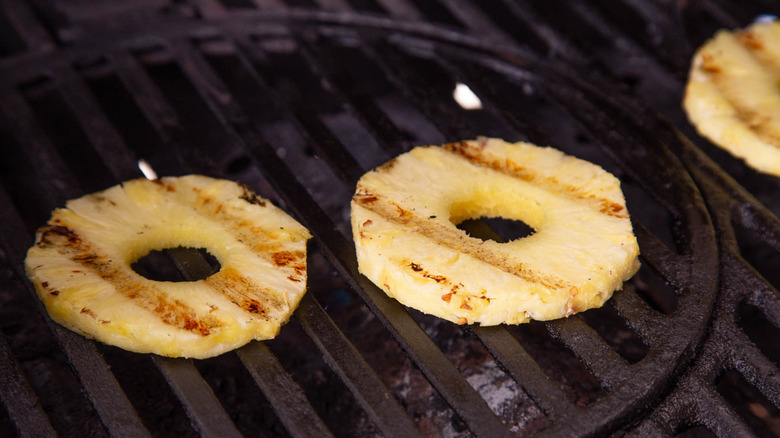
<point>733,94</point>
<point>81,261</point>
<point>404,215</point>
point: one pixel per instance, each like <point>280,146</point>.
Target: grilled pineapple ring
<point>404,215</point>
<point>81,261</point>
<point>733,94</point>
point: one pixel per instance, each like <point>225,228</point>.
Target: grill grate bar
<point>289,402</point>
<point>199,401</point>
<point>357,374</point>
<point>115,410</point>
<point>685,273</point>
<point>754,365</point>
<point>609,368</point>
<point>431,361</point>
<point>712,411</point>
<point>38,150</point>
<point>110,402</point>
<point>638,314</point>
<point>346,66</point>
<point>661,259</point>
<point>202,406</point>
<point>147,95</point>
<point>347,62</point>
<point>524,369</point>
<point>25,25</point>
<point>302,93</point>
<point>345,360</point>
<point>19,399</point>
<point>100,132</point>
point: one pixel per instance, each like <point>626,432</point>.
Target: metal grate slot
<point>654,290</point>
<point>358,76</point>
<point>515,22</point>
<point>288,400</point>
<point>22,29</point>
<point>342,356</point>
<point>455,390</point>
<point>437,12</point>
<point>613,329</point>
<point>24,412</point>
<point>759,414</point>
<point>367,6</point>
<point>560,365</point>
<point>124,114</point>
<point>760,330</point>
<point>525,368</point>
<point>238,4</point>
<point>10,41</point>
<point>202,407</point>
<point>298,104</point>
<point>68,137</point>
<point>149,392</point>
<point>290,75</point>
<point>18,172</point>
<point>694,431</point>
<point>605,364</point>
<point>432,85</point>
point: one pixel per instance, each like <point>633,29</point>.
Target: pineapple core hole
<point>496,229</point>
<point>177,264</point>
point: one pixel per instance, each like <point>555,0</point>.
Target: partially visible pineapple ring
<point>80,266</point>
<point>404,215</point>
<point>733,94</point>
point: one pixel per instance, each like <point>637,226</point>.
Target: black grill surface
<point>297,99</point>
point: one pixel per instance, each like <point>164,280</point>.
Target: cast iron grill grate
<point>268,99</point>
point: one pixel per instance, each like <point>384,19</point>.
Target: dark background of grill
<point>325,372</point>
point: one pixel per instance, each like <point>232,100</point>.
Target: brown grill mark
<point>475,154</point>
<point>465,305</point>
<point>365,198</point>
<point>455,240</point>
<point>760,123</point>
<point>708,64</point>
<point>284,258</point>
<point>750,41</point>
<point>50,235</point>
<point>167,187</point>
<point>87,311</point>
<point>387,166</point>
<point>250,196</point>
<point>437,278</point>
<point>260,239</point>
<point>250,297</point>
<point>174,313</point>
<point>447,297</point>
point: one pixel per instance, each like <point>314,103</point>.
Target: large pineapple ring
<point>81,266</point>
<point>733,94</point>
<point>404,215</point>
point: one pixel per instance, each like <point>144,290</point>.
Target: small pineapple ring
<point>732,94</point>
<point>404,215</point>
<point>81,266</point>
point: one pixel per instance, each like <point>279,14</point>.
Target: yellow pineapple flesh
<point>404,216</point>
<point>81,262</point>
<point>733,94</point>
